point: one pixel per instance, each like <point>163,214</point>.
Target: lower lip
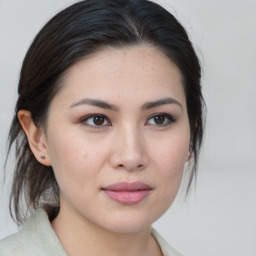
<point>127,197</point>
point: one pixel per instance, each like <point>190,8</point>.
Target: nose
<point>129,152</point>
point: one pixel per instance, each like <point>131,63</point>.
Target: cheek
<point>76,160</point>
<point>172,151</point>
<point>170,176</point>
<point>71,159</point>
<point>170,157</point>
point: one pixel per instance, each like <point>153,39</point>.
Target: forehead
<point>115,72</point>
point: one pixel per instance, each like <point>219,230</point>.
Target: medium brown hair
<point>70,36</point>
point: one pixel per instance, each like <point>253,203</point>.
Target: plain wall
<point>219,216</point>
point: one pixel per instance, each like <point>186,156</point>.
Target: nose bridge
<point>130,152</point>
<point>131,139</point>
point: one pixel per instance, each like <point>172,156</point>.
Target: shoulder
<point>36,237</point>
<point>166,248</point>
<point>13,245</point>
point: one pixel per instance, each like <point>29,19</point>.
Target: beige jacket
<point>37,238</point>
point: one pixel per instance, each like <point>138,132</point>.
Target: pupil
<point>98,120</point>
<point>159,119</point>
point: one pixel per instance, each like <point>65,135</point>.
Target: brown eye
<point>159,119</point>
<point>98,120</point>
<point>95,121</point>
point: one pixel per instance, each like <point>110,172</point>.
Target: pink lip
<point>128,193</point>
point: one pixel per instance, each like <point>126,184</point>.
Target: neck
<point>81,237</point>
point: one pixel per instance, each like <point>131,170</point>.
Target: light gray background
<point>219,216</point>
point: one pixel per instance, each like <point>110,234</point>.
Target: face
<point>118,137</point>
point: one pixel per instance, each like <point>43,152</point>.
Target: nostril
<point>140,166</point>
<point>130,161</point>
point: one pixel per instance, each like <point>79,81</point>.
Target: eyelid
<point>170,117</point>
<point>87,117</point>
<point>84,119</point>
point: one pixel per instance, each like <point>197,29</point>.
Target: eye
<point>95,121</point>
<point>161,119</point>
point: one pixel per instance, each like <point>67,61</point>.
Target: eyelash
<point>168,119</point>
<point>85,119</point>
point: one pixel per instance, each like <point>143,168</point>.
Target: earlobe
<point>189,154</point>
<point>36,137</point>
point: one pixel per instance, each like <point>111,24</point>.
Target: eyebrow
<point>160,102</point>
<point>95,102</point>
<point>106,105</point>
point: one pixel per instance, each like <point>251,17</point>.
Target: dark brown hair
<point>70,36</point>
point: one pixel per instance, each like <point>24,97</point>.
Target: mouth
<point>128,193</point>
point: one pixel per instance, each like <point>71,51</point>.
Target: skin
<point>126,146</point>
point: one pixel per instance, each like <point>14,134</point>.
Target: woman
<point>109,111</point>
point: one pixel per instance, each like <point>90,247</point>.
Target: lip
<point>128,193</point>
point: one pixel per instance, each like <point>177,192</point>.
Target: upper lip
<point>126,186</point>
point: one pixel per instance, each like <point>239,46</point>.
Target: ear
<point>189,154</point>
<point>36,137</point>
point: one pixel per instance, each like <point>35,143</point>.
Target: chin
<point>130,223</point>
<point>126,228</point>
